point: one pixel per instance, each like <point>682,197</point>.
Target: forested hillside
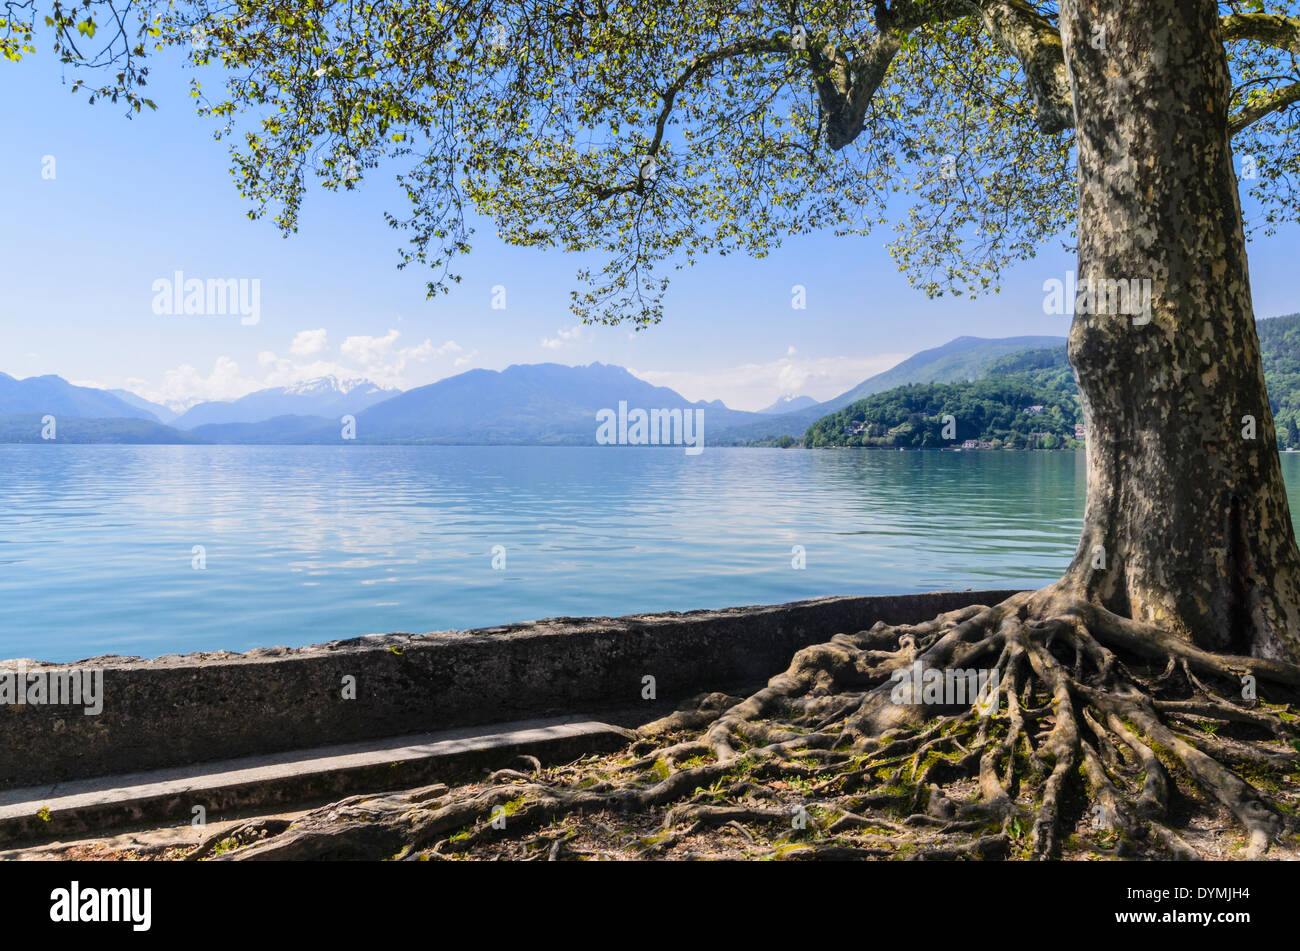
<point>992,410</point>
<point>1279,343</point>
<point>1027,401</point>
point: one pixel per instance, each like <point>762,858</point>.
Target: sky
<point>132,201</point>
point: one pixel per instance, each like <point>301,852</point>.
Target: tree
<point>656,133</point>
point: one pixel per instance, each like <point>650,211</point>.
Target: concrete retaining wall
<point>178,710</point>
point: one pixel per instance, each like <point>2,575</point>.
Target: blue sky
<point>134,200</point>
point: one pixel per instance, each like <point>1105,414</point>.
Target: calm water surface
<point>305,544</point>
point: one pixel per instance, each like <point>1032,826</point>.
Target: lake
<point>152,550</point>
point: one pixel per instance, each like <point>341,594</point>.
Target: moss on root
<point>1106,735</point>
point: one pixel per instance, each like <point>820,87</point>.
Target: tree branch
<point>1035,42</point>
<point>1267,29</point>
<point>845,88</point>
<point>1263,105</point>
<point>756,44</point>
<point>1270,29</point>
<point>846,84</point>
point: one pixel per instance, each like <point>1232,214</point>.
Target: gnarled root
<point>1091,732</point>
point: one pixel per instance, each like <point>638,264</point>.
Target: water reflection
<point>305,544</point>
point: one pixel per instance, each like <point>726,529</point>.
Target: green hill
<point>957,361</point>
<point>992,409</point>
<point>1028,401</point>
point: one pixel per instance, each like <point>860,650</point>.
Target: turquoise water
<point>306,544</point>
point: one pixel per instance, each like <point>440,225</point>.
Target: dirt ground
<point>777,819</point>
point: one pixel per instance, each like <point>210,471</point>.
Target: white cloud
<point>368,350</point>
<point>385,362</point>
<point>185,386</point>
<point>309,342</point>
<point>570,337</point>
<point>378,359</point>
<point>753,386</point>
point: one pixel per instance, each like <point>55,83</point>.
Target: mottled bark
<point>1187,524</point>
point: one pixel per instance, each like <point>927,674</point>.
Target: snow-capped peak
<point>328,384</point>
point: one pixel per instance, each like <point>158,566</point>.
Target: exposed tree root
<point>1100,734</point>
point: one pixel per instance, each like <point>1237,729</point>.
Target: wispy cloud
<point>565,337</point>
<point>753,386</point>
<point>382,360</point>
<point>382,355</point>
<point>185,385</point>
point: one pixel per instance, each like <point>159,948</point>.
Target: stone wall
<point>178,710</point>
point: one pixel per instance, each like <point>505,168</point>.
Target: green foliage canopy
<point>650,134</point>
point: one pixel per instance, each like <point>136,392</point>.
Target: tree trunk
<point>1187,524</point>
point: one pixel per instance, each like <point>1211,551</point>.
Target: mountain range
<point>543,404</point>
<point>788,404</point>
<point>162,413</point>
<point>529,404</point>
<point>328,396</point>
<point>55,396</point>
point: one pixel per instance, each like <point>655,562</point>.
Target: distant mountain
<point>55,396</point>
<point>550,404</point>
<point>959,360</point>
<point>27,427</point>
<point>328,396</point>
<point>162,413</point>
<point>788,404</point>
<point>281,429</point>
<point>533,404</point>
<point>965,358</point>
<point>538,404</point>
